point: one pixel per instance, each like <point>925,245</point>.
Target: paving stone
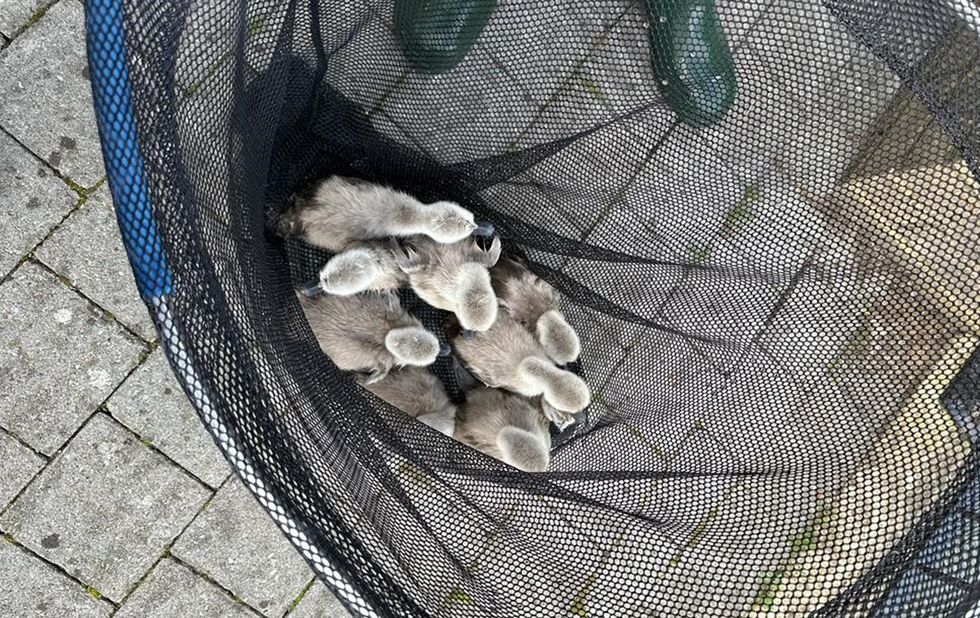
<point>579,539</point>
<point>203,42</point>
<point>32,589</point>
<point>621,81</point>
<point>32,201</point>
<point>15,14</point>
<point>260,566</point>
<point>602,342</point>
<point>756,525</point>
<point>152,404</point>
<point>659,378</point>
<point>763,119</point>
<point>591,103</point>
<point>791,67</point>
<point>718,524</point>
<point>45,97</point>
<point>739,17</point>
<point>683,195</point>
<point>656,395</point>
<point>706,528</point>
<point>611,82</point>
<point>557,38</point>
<point>472,112</point>
<point>59,358</point>
<point>798,68</point>
<point>699,579</point>
<point>829,140</point>
<point>600,329</point>
<point>570,192</point>
<point>771,230</point>
<point>650,285</point>
<point>771,421</point>
<point>319,602</point>
<point>623,230</point>
<point>105,509</point>
<point>544,202</point>
<point>722,312</point>
<point>18,465</point>
<point>372,35</point>
<point>201,66</point>
<point>644,552</point>
<point>811,331</point>
<point>618,446</point>
<point>88,250</point>
<point>172,590</point>
<point>805,45</point>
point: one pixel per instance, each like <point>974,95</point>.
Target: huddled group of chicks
<point>506,329</point>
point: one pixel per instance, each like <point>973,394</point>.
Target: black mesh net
<point>762,217</point>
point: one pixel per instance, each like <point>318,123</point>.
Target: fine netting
<point>776,289</point>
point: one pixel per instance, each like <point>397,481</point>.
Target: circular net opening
<point>776,294</point>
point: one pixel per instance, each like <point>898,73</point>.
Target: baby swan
<point>507,356</point>
<point>368,333</point>
<point>418,393</point>
<point>507,427</point>
<point>368,265</point>
<point>343,210</point>
<point>453,278</point>
<point>534,304</point>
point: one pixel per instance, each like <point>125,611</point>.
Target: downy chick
<point>466,381</point>
<point>453,278</point>
<point>534,304</point>
<point>418,393</point>
<point>344,210</point>
<point>507,356</point>
<point>507,427</point>
<point>368,333</point>
<point>368,265</point>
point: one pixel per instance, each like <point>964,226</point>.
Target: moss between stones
<point>256,25</point>
<point>579,605</point>
<point>593,89</point>
<point>36,17</point>
<point>457,596</point>
<point>302,595</point>
<point>741,212</point>
<point>414,474</point>
<point>699,255</point>
<point>646,441</point>
<point>807,539</point>
<point>94,593</point>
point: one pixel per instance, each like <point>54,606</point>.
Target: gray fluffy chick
<point>531,301</point>
<point>368,333</point>
<point>508,356</point>
<point>453,278</point>
<point>344,210</point>
<point>418,393</point>
<point>368,265</point>
<point>507,427</point>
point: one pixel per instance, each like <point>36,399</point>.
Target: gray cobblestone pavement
<point>114,501</point>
